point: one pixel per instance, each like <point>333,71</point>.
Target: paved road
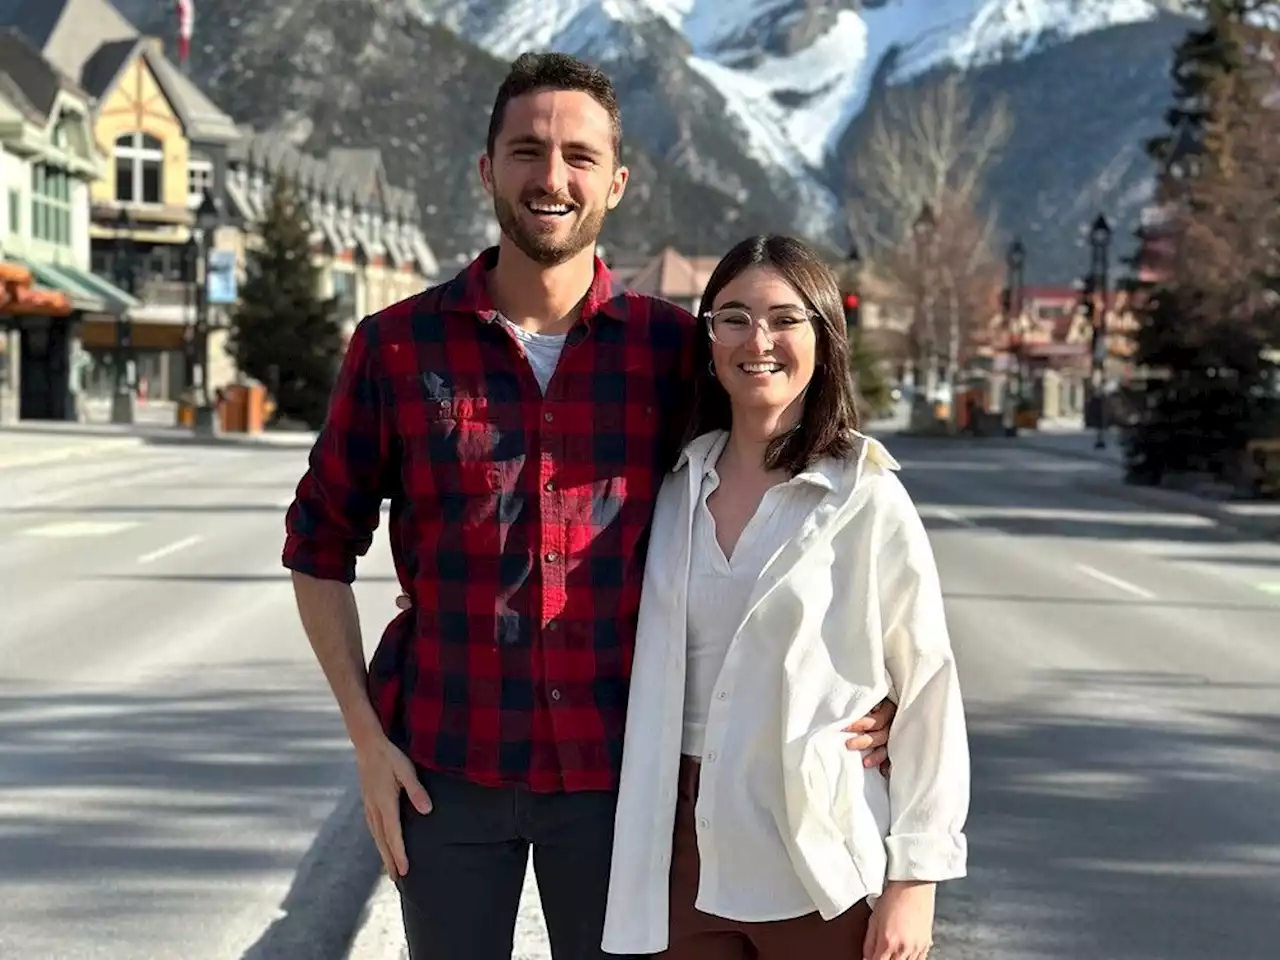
<point>1122,668</point>
<point>168,749</point>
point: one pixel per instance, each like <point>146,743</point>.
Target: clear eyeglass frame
<point>791,331</point>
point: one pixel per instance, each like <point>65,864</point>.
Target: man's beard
<point>546,250</point>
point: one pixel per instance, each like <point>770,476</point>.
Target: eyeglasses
<point>734,326</point>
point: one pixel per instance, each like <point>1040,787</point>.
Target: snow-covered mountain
<point>793,74</point>
<point>740,115</point>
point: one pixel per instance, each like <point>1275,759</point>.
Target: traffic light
<point>852,306</point>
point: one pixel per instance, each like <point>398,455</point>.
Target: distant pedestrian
<point>520,418</point>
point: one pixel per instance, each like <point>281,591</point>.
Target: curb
<point>328,899</point>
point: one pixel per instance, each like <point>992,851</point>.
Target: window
<point>199,179</point>
<point>50,204</point>
<point>15,212</point>
<point>139,169</point>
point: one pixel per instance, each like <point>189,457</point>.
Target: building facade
<point>49,297</point>
<point>367,234</point>
<point>162,147</point>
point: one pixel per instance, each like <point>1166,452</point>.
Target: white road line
<point>950,515</point>
<point>171,549</point>
<point>74,529</point>
<point>1116,582</point>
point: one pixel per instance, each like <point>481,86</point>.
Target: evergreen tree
<point>283,333</point>
<point>868,379</point>
<point>1205,319</point>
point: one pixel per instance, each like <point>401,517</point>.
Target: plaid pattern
<point>518,522</point>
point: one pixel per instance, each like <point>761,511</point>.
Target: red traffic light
<point>851,301</point>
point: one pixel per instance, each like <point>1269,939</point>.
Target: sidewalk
<point>1257,518</point>
<point>37,443</point>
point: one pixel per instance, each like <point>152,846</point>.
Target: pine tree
<point>283,333</point>
<point>1204,316</point>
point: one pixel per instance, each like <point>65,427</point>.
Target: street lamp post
<point>208,216</point>
<point>1100,243</point>
<point>1014,259</point>
<point>923,227</point>
<point>124,266</point>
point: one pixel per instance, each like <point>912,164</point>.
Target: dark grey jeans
<point>467,861</point>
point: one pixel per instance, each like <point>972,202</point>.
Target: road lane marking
<point>169,550</point>
<point>74,529</point>
<point>1116,582</point>
<point>950,515</point>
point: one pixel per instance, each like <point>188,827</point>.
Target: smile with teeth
<point>549,209</point>
<point>763,367</point>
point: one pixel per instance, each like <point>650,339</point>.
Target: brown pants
<point>700,936</point>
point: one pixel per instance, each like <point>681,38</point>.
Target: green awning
<point>118,302</point>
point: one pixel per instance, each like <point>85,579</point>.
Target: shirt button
<point>553,625</point>
<point>552,557</point>
<point>549,486</point>
<point>548,416</point>
<point>711,757</point>
<point>702,822</point>
<point>555,694</point>
<point>722,695</point>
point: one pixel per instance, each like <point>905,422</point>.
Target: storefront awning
<point>23,295</point>
<point>86,292</point>
<point>118,302</point>
<point>52,278</point>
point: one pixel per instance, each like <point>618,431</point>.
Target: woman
<point>789,586</point>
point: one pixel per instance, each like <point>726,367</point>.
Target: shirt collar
<point>825,473</point>
<point>467,292</point>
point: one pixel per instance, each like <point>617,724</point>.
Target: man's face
<point>553,175</point>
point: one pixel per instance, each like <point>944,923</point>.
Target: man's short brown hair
<point>531,72</point>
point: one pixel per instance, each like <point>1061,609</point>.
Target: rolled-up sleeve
<point>929,785</point>
<point>336,506</point>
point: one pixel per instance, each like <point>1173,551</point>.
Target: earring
<point>711,368</point>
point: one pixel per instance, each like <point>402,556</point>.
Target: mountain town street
<point>174,780</point>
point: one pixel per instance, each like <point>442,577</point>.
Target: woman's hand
<point>901,925</point>
<point>873,734</point>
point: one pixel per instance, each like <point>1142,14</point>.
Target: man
<point>519,418</point>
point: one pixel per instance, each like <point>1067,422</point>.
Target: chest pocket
<point>460,442</point>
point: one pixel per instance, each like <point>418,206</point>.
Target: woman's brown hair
<point>829,420</point>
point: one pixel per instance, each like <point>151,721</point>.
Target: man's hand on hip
<point>384,772</point>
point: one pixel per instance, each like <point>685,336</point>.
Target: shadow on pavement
<point>1122,815</point>
<point>124,809</point>
<point>1028,493</point>
<point>1092,602</point>
<point>230,578</point>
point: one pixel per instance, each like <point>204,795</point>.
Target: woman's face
<point>763,344</point>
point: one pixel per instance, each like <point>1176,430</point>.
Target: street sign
<point>221,285</point>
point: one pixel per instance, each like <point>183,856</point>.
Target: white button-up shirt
<point>847,612</point>
<point>755,882</point>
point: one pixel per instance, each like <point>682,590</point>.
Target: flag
<point>186,23</point>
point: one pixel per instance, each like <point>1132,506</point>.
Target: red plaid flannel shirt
<point>518,522</point>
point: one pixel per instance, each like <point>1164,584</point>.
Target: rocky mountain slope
<point>739,116</point>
